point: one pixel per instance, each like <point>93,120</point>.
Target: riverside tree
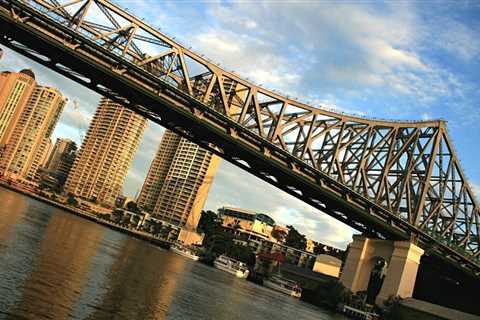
<point>71,200</point>
<point>133,207</point>
<point>242,253</point>
<point>207,223</point>
<point>295,239</point>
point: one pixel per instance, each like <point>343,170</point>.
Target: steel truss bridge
<point>387,179</point>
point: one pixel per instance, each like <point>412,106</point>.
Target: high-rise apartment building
<point>46,152</point>
<point>158,171</point>
<point>61,160</point>
<point>15,89</point>
<point>177,184</point>
<point>62,146</point>
<point>106,154</point>
<point>29,141</point>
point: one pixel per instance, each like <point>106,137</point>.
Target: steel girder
<point>387,179</point>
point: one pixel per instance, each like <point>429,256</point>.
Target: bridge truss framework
<point>387,179</point>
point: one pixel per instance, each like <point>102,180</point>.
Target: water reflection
<point>140,284</point>
<point>54,265</point>
<point>63,260</point>
<point>13,206</point>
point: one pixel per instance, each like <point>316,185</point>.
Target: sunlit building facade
<point>106,154</point>
<point>60,162</point>
<point>62,146</point>
<point>15,90</point>
<point>246,220</point>
<point>177,184</point>
<point>47,151</point>
<point>29,142</point>
<point>158,171</point>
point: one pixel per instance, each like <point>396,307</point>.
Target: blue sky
<point>391,60</point>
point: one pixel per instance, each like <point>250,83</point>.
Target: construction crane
<point>81,124</point>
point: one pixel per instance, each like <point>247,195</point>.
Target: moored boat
<point>232,266</point>
<point>283,285</point>
<point>184,251</point>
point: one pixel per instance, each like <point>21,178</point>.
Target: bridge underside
<point>194,120</point>
<point>217,140</point>
<point>443,285</point>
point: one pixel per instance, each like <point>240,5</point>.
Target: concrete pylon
<point>402,271</point>
<point>402,257</point>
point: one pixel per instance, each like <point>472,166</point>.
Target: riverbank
<point>91,216</point>
<point>54,265</point>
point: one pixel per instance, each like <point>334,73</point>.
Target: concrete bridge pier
<point>396,262</point>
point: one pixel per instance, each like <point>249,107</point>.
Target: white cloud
<point>382,51</point>
<point>457,39</point>
<point>143,158</point>
<point>476,190</point>
<point>306,47</point>
<point>315,224</point>
<point>78,119</point>
<point>426,116</point>
<point>248,56</point>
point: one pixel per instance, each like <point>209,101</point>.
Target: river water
<point>54,265</point>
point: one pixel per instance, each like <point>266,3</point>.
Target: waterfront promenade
<point>91,216</point>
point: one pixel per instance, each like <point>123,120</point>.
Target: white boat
<point>184,251</point>
<point>283,285</point>
<point>232,266</point>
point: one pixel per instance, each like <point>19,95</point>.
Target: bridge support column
<point>402,260</point>
<point>352,276</point>
<point>402,271</point>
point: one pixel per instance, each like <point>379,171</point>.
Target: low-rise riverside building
<point>121,201</point>
<point>279,233</point>
<point>259,232</point>
<point>144,221</point>
<point>327,265</point>
<point>292,255</point>
<point>249,222</point>
<point>310,246</point>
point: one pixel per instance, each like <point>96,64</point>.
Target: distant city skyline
<point>385,61</point>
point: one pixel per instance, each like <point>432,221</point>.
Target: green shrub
<point>71,200</point>
<point>391,310</point>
